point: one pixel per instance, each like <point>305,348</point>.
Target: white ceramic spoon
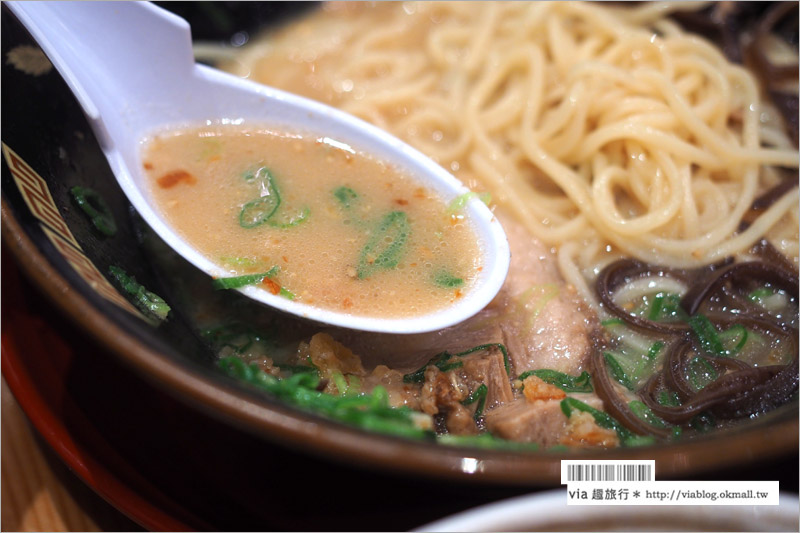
<point>131,67</point>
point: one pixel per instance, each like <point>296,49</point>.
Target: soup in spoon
<point>313,220</point>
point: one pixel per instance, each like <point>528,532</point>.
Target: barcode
<point>576,471</point>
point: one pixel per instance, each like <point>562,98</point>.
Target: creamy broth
<point>333,227</point>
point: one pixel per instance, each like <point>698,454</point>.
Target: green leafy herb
<point>565,382</point>
<point>460,202</point>
<point>238,282</point>
<point>708,336</point>
<point>604,420</point>
<point>148,302</point>
<point>652,353</point>
<point>386,246</point>
<point>368,411</point>
<point>701,373</point>
<point>616,371</point>
<point>301,217</point>
<point>258,211</point>
<point>96,209</point>
<point>346,196</point>
<point>446,280</point>
<point>760,294</point>
<point>478,395</point>
<point>669,398</point>
<point>734,338</point>
<point>645,413</point>
<point>666,307</point>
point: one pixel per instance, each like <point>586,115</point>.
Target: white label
<point>674,493</point>
<point>607,471</point>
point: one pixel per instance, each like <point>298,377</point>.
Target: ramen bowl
<point>48,149</point>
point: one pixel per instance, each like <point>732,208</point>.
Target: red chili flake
<point>271,285</point>
<point>148,166</point>
<point>458,293</point>
<point>286,259</point>
<point>170,179</point>
<point>400,201</point>
<point>347,303</point>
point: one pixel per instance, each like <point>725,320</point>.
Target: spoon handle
<point>101,50</point>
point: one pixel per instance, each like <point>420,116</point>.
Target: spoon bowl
<point>131,67</point>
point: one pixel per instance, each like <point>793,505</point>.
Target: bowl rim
<point>289,426</point>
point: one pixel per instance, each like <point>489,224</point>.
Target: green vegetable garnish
<point>446,280</point>
<point>148,302</point>
<point>701,373</point>
<point>603,420</point>
<point>565,382</point>
<point>346,196</point>
<point>386,246</point>
<point>368,411</point>
<point>96,209</point>
<point>238,282</point>
<point>645,413</point>
<point>669,398</point>
<point>666,307</point>
<point>478,395</point>
<point>617,372</point>
<point>459,202</point>
<point>301,217</point>
<point>258,211</point>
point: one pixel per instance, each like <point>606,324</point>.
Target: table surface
<point>39,492</point>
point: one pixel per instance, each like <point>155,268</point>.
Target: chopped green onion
<point>645,413</point>
<point>735,335</point>
<point>459,202</point>
<point>96,209</point>
<point>446,280</point>
<point>612,322</point>
<point>286,293</point>
<point>701,373</point>
<point>386,246</point>
<point>759,294</point>
<point>346,196</point>
<point>708,336</point>
<point>369,411</point>
<point>238,282</point>
<point>292,222</point>
<point>148,302</point>
<point>617,372</point>
<point>565,382</point>
<point>604,420</point>
<point>238,261</point>
<point>669,398</point>
<point>258,211</point>
<point>666,306</point>
<point>478,395</point>
<point>652,353</point>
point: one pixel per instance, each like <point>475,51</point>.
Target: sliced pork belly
<point>543,422</point>
<point>544,322</point>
